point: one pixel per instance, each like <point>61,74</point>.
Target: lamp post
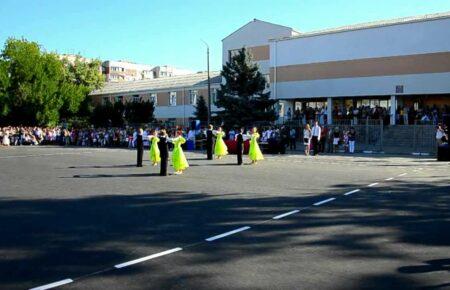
<point>209,82</point>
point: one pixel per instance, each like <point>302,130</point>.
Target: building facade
<point>175,97</point>
<point>117,71</point>
<point>394,63</point>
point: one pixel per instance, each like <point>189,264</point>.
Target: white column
<point>393,108</point>
<point>329,111</point>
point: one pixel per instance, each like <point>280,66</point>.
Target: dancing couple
<point>159,151</point>
<point>220,148</point>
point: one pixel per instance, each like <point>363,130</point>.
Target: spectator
<point>316,133</point>
<point>440,135</point>
<point>307,139</point>
<point>351,140</point>
<point>292,139</point>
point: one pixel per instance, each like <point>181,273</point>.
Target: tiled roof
<point>374,24</point>
<point>191,80</point>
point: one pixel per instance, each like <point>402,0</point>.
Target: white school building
<point>388,63</point>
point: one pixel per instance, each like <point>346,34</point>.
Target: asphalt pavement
<point>87,218</point>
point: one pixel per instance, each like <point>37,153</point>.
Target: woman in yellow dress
<point>254,152</point>
<point>220,149</point>
<point>179,161</point>
<point>155,157</point>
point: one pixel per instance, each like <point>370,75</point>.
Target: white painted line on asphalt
<point>227,234</point>
<point>390,178</point>
<point>140,260</point>
<point>403,174</point>
<point>285,214</point>
<point>53,285</point>
<point>351,192</point>
<point>324,201</point>
<point>372,184</point>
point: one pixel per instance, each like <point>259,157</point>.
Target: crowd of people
<point>405,115</point>
<point>273,139</point>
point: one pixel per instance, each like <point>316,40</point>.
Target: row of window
<point>193,94</point>
<point>116,68</point>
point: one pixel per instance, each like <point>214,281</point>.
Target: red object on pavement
<point>231,145</point>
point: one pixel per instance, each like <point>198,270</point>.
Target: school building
<point>388,63</point>
<point>174,97</point>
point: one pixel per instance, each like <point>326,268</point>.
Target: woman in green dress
<point>254,152</point>
<point>179,161</point>
<point>155,157</point>
<point>220,149</point>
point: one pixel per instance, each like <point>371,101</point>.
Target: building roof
<point>373,24</point>
<point>257,20</point>
<point>191,80</point>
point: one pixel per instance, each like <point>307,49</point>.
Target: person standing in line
<point>164,151</point>
<point>307,138</point>
<point>440,135</point>
<point>220,149</point>
<point>209,142</point>
<point>351,140</point>
<point>292,139</point>
<point>179,161</point>
<point>254,152</point>
<point>239,145</point>
<point>336,138</point>
<point>316,132</point>
<point>139,147</point>
<point>155,157</point>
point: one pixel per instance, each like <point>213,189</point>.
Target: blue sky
<point>170,31</point>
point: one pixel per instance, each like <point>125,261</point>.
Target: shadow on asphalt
<point>46,240</point>
<point>103,166</point>
<point>115,175</point>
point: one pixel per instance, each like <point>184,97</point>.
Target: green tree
<point>139,112</point>
<point>87,76</point>
<point>4,84</point>
<point>201,110</point>
<point>242,96</point>
<point>32,95</point>
<point>37,87</point>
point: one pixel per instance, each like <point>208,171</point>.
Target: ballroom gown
<point>155,156</point>
<point>254,152</point>
<point>179,161</point>
<point>220,149</point>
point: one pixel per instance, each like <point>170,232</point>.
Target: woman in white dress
<point>5,140</point>
<point>307,138</point>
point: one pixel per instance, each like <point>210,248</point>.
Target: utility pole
<point>209,82</point>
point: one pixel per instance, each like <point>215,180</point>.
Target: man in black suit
<point>163,151</point>
<point>240,145</point>
<point>209,142</point>
<point>140,147</point>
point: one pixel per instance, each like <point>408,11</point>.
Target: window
<point>119,99</point>
<point>214,96</point>
<point>193,97</point>
<point>172,98</point>
<point>154,99</point>
<point>105,100</point>
<point>136,98</point>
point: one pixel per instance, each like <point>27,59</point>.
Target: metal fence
<point>373,135</point>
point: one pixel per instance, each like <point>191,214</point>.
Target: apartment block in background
<point>116,71</point>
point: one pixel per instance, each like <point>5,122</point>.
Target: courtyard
<point>86,218</point>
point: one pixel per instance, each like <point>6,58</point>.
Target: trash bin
<point>443,153</point>
<point>190,145</point>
